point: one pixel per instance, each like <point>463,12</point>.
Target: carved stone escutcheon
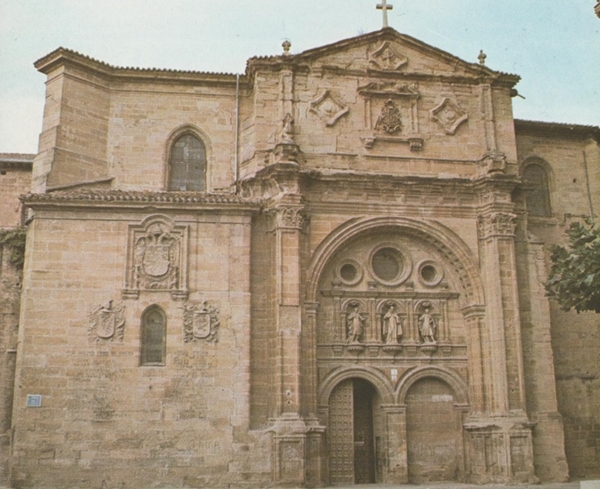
<point>156,258</point>
<point>200,322</point>
<point>390,119</point>
<point>107,322</point>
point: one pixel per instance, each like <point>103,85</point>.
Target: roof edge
<point>565,129</point>
<point>61,56</point>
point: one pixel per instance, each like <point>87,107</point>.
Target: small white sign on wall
<point>34,400</point>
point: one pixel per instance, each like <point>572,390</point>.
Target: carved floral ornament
<point>200,322</point>
<point>328,108</point>
<point>497,224</point>
<point>156,258</point>
<point>107,322</point>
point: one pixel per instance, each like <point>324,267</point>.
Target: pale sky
<point>554,45</point>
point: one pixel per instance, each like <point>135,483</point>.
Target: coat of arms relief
<point>107,322</point>
<point>156,258</point>
<point>200,322</point>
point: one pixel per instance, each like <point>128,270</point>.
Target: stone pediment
<point>389,52</point>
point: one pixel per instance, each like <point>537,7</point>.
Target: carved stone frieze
<point>200,322</point>
<point>328,108</point>
<point>157,258</point>
<point>449,115</point>
<point>497,224</point>
<point>390,90</point>
<point>107,322</point>
<point>386,58</point>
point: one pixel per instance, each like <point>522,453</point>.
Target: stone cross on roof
<point>385,7</point>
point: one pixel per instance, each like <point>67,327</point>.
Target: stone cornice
<point>142,199</point>
<point>63,56</point>
<point>553,129</point>
<point>301,60</point>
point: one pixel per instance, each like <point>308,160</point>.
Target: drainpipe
<point>587,182</point>
<point>237,132</point>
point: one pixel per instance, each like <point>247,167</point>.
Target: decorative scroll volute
<point>497,224</point>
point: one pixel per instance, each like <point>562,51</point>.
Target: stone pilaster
<point>497,247</point>
<point>499,438</point>
<point>542,404</point>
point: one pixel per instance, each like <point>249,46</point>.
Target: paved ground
<point>449,485</point>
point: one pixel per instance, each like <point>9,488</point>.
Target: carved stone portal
<point>107,322</point>
<point>156,258</point>
<point>200,322</point>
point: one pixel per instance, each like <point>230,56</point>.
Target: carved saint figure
<point>355,322</point>
<point>427,326</point>
<point>392,325</point>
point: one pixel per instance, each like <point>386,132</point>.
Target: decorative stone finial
<point>385,7</point>
<point>482,56</point>
<point>597,8</point>
<point>286,47</point>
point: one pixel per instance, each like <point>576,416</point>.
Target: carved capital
<point>497,224</point>
<point>289,217</point>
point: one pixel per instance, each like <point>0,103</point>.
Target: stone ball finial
<point>286,47</point>
<point>482,56</point>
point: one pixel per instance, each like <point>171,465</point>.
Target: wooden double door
<point>354,434</point>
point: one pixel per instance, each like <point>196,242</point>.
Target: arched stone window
<point>538,193</point>
<point>187,164</point>
<point>154,337</point>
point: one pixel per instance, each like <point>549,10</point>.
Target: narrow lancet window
<point>538,192</point>
<point>154,328</point>
<point>187,164</point>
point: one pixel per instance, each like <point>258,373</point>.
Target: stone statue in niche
<point>200,322</point>
<point>390,120</point>
<point>427,326</point>
<point>156,256</point>
<point>392,325</point>
<point>107,322</point>
<point>355,322</point>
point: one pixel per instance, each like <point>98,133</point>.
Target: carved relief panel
<point>375,298</point>
<point>391,113</point>
<point>107,322</point>
<point>156,258</point>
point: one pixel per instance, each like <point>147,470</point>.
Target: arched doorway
<point>433,430</point>
<point>354,433</point>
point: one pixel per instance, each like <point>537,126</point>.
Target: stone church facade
<point>328,270</point>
